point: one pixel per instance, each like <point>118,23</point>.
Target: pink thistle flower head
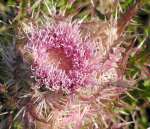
<point>66,58</point>
<point>62,57</point>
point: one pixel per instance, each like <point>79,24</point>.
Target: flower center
<point>57,56</point>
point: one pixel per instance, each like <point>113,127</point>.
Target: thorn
<point>127,17</point>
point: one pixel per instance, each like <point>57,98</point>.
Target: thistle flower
<point>62,57</point>
<point>67,58</point>
<point>82,61</point>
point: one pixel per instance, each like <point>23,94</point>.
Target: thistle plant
<point>71,68</point>
<point>70,62</point>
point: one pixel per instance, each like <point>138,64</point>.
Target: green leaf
<point>147,83</point>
